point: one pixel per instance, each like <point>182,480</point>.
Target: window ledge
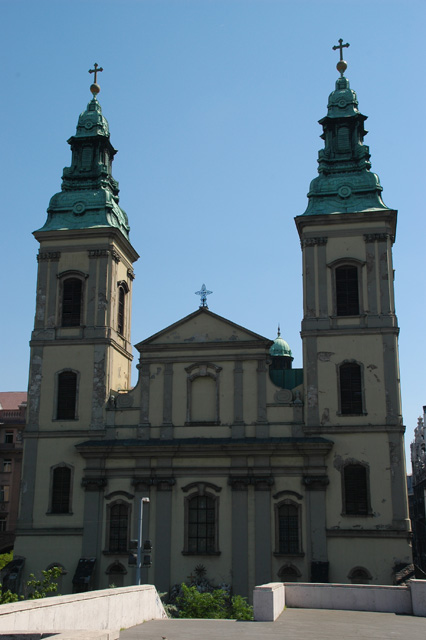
<point>278,554</point>
<point>370,514</point>
<point>201,553</point>
<point>351,415</point>
<point>106,552</point>
<point>57,513</point>
<point>202,423</point>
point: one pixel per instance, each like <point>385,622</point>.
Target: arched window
<point>350,388</point>
<point>116,573</point>
<point>347,296</point>
<point>71,302</point>
<point>359,575</point>
<point>355,490</point>
<point>288,525</point>
<point>61,489</point>
<point>66,404</point>
<point>203,393</point>
<point>119,521</point>
<point>289,573</point>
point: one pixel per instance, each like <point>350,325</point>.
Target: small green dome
<point>91,122</point>
<point>280,347</point>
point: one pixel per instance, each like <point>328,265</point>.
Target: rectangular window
<point>350,389</point>
<point>61,487</point>
<point>71,302</point>
<point>356,490</point>
<point>67,395</point>
<point>118,527</point>
<point>8,437</point>
<point>3,523</point>
<point>7,465</point>
<point>4,493</point>
<point>288,527</point>
<point>201,525</point>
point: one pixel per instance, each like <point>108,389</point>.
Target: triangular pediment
<point>202,327</point>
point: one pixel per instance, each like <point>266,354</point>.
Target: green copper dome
<point>345,183</point>
<point>280,347</point>
<point>91,122</point>
<point>89,196</point>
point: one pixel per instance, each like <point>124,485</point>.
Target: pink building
<point>13,406</point>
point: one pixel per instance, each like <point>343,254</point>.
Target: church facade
<point>258,471</point>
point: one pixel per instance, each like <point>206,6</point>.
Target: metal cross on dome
<point>341,46</point>
<point>203,293</point>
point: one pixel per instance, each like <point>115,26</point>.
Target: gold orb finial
<point>341,66</point>
<point>95,88</point>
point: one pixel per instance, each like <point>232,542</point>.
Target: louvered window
<point>61,487</point>
<point>71,302</point>
<point>356,490</point>
<point>347,299</point>
<point>350,389</point>
<point>121,307</point>
<point>67,395</point>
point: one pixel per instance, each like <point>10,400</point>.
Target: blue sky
<point>213,106</point>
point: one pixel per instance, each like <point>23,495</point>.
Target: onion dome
<point>280,347</point>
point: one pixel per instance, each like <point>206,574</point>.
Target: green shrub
<point>240,609</point>
<point>213,605</point>
<point>193,604</point>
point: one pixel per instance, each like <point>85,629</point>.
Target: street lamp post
<point>139,554</point>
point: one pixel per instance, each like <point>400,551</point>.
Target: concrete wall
<point>351,597</point>
<point>95,610</point>
<point>270,599</point>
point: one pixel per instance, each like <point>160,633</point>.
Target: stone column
<point>238,424</point>
<point>143,426</point>
<point>239,541</point>
<point>398,476</point>
<point>262,427</point>
<point>166,431</point>
<point>317,526</point>
<point>52,297</point>
<point>370,250</point>
<point>93,520</point>
<point>163,532</point>
<point>262,529</point>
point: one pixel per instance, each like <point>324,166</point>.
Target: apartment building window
<point>7,465</point>
<point>4,493</point>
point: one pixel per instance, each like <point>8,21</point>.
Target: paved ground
<point>317,624</point>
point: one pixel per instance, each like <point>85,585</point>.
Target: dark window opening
<point>201,525</point>
<point>350,389</point>
<point>61,487</point>
<point>118,527</point>
<point>71,302</point>
<point>356,490</point>
<point>288,529</point>
<point>120,321</point>
<point>67,395</point>
<point>347,300</point>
